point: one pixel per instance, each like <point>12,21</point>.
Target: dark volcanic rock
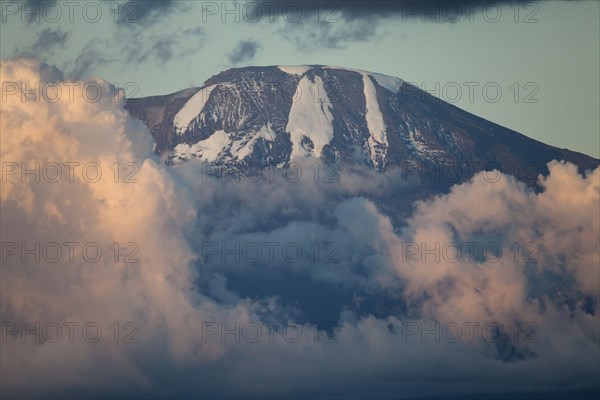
<point>271,116</point>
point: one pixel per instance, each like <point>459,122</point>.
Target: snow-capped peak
<point>297,70</point>
<point>273,115</point>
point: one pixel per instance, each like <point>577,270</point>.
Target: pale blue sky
<point>554,59</point>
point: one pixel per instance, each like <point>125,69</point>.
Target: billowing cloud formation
<point>79,128</point>
<point>219,323</point>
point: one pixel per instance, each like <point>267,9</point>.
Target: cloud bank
<point>370,307</point>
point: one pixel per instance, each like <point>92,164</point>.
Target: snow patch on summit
<point>217,145</point>
<point>207,149</point>
<point>191,109</point>
<point>297,70</point>
<point>378,143</point>
<point>244,147</point>
<point>423,151</point>
<point>391,83</point>
<point>310,118</point>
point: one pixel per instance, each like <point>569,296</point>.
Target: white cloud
<point>172,297</point>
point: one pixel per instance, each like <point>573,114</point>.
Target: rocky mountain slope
<point>272,116</point>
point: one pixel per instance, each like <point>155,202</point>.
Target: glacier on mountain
<point>310,119</point>
<point>377,133</point>
<point>192,109</point>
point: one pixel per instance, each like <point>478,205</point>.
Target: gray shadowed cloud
<point>139,47</point>
<point>50,42</point>
<point>160,49</point>
<point>89,59</point>
<point>137,12</point>
<point>388,8</point>
<point>47,42</point>
<point>314,37</point>
<point>35,8</point>
<point>416,8</point>
<point>244,51</point>
<point>334,24</point>
<point>150,10</point>
<point>50,73</point>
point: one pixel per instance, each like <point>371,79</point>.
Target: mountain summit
<point>271,116</point>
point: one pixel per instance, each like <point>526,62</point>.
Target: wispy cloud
<point>159,49</point>
<point>244,51</point>
<point>48,42</point>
